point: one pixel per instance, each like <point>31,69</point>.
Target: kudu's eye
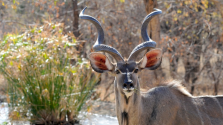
<point>136,70</point>
<point>117,71</point>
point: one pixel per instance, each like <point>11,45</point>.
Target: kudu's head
<point>125,70</point>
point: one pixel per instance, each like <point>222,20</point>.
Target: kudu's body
<point>168,105</point>
<point>165,105</point>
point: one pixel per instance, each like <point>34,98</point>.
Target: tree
<point>76,18</point>
<point>194,30</point>
<point>154,25</point>
<point>154,33</point>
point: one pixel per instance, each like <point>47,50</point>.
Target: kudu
<point>170,104</point>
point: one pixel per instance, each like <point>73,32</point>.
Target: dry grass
<point>42,84</point>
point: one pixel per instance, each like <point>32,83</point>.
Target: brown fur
<point>169,104</point>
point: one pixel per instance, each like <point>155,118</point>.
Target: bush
<point>44,84</point>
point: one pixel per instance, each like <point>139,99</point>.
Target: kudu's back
<point>169,105</point>
<point>206,110</point>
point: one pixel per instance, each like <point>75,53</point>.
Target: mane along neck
<point>177,86</point>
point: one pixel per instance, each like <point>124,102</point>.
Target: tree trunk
<point>2,23</point>
<point>150,78</point>
<point>154,25</point>
<point>216,83</point>
<point>76,18</point>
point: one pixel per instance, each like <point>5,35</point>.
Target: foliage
<point>193,30</point>
<point>43,76</point>
<point>18,15</point>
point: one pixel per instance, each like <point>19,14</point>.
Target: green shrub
<point>44,83</point>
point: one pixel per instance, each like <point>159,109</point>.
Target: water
<point>95,119</point>
<point>85,118</point>
<point>4,111</point>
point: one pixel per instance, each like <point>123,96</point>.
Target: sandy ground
<point>103,108</point>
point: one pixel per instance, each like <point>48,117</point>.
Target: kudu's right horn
<point>98,46</point>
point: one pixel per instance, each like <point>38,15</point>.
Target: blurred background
<point>44,69</point>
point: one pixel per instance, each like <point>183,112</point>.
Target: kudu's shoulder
<point>173,87</point>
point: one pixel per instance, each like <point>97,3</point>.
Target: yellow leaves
<point>122,1</point>
<point>103,20</point>
<point>14,6</point>
<point>175,18</point>
<point>14,115</point>
<point>186,14</point>
<point>89,108</point>
<point>3,4</point>
<point>214,14</point>
<point>186,2</point>
<point>7,98</point>
<point>167,5</point>
<point>11,63</point>
<point>196,9</point>
<point>205,3</point>
<point>55,2</point>
<point>206,6</point>
<point>45,55</point>
<point>196,21</point>
<point>189,37</point>
<point>45,93</point>
<point>60,73</point>
<point>179,11</point>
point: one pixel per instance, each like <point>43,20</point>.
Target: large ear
<point>151,60</point>
<point>100,63</point>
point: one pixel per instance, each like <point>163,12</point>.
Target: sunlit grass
<point>43,85</point>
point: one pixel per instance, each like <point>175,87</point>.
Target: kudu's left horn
<point>98,46</point>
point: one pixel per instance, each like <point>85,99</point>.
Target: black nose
<point>128,85</point>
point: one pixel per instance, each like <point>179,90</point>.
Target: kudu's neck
<point>128,108</point>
